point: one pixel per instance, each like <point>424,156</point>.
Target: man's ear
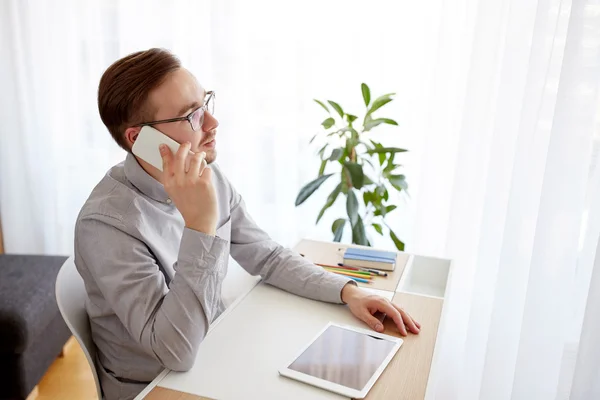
<point>131,135</point>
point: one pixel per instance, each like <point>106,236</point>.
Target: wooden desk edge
<point>161,393</point>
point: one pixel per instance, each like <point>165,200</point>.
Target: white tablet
<point>343,359</point>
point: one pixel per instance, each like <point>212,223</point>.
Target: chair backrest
<point>71,297</point>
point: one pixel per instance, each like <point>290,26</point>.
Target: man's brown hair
<point>124,88</point>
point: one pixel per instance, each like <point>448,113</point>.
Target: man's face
<point>177,96</point>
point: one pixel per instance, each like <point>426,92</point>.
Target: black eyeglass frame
<point>211,96</point>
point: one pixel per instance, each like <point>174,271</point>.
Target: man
<point>152,246</point>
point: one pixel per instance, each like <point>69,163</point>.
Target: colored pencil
<point>337,266</point>
<point>373,271</point>
<point>359,279</point>
<point>349,271</point>
<point>349,274</point>
<point>361,271</point>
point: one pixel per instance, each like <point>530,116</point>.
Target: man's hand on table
<point>363,305</point>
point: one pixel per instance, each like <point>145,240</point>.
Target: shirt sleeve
<point>168,322</point>
<point>258,254</point>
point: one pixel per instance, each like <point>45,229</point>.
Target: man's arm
<point>169,323</point>
<point>258,254</point>
<point>252,248</point>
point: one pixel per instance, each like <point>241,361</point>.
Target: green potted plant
<point>366,170</point>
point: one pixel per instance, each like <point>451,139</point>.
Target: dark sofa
<point>32,331</point>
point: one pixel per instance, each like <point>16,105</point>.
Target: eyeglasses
<point>195,118</point>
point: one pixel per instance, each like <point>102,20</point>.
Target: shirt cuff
<point>332,287</point>
<point>202,250</point>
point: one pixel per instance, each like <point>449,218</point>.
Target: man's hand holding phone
<point>192,191</point>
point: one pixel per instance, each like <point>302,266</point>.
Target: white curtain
<point>266,60</point>
<point>506,191</point>
<point>497,101</point>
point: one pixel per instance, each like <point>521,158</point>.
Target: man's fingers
<point>196,163</point>
<point>417,323</point>
<point>167,158</point>
<point>412,325</point>
<point>409,322</point>
<point>206,173</point>
<point>180,157</point>
<point>372,321</point>
<point>394,314</point>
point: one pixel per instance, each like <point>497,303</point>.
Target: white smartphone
<point>146,147</point>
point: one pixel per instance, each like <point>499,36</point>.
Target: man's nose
<point>210,122</point>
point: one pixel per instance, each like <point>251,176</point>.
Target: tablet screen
<point>343,356</point>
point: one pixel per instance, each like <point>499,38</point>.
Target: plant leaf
<point>367,180</point>
<point>322,168</point>
<point>313,138</point>
<point>371,124</point>
<point>356,174</point>
<point>399,244</point>
<point>378,149</point>
<point>348,147</point>
<point>359,235</point>
<point>375,144</point>
<point>375,122</point>
<point>309,189</point>
<point>384,97</point>
<point>380,102</point>
<point>330,200</point>
<point>336,107</point>
<point>328,123</point>
<point>321,104</point>
<point>336,154</point>
<point>366,92</point>
<point>384,150</point>
<point>383,210</point>
<point>338,229</point>
<point>390,166</point>
<point>351,118</point>
<point>391,158</point>
<point>352,207</point>
<point>367,197</point>
<point>378,228</point>
<point>376,196</point>
<point>345,188</point>
<point>322,150</point>
<point>398,182</point>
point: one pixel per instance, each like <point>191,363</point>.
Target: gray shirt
<point>154,286</point>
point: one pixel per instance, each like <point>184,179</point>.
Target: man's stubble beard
<point>211,156</point>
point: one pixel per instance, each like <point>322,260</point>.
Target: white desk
<point>264,329</point>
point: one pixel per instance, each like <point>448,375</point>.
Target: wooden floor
<point>69,377</point>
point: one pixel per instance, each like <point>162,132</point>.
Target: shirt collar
<point>143,181</point>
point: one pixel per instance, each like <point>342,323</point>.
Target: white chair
<point>71,297</point>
